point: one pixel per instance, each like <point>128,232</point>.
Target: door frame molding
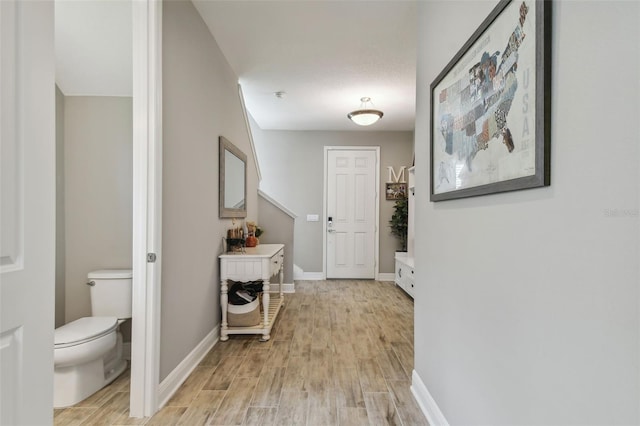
<point>376,251</point>
<point>147,206</point>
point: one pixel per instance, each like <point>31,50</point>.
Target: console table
<point>256,263</point>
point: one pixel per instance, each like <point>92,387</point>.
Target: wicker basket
<point>244,315</point>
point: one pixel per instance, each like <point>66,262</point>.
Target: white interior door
<point>351,212</point>
<point>147,207</point>
<point>27,212</point>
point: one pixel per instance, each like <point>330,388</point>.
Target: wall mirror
<point>233,180</point>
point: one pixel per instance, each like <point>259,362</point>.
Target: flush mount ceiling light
<point>365,116</point>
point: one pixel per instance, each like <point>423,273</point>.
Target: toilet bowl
<point>88,351</point>
<point>83,354</point>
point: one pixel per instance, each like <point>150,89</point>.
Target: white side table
<point>257,263</point>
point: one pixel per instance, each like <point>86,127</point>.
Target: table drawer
<point>276,262</point>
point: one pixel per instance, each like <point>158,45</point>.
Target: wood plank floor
<point>341,353</point>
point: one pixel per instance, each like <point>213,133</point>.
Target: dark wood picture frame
<point>480,92</point>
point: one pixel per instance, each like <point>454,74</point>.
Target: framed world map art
<point>491,106</point>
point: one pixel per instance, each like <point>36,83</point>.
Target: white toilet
<point>88,352</point>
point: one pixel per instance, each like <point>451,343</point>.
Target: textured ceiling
<point>324,54</point>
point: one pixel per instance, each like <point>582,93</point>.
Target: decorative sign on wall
<point>397,184</point>
<point>490,106</point>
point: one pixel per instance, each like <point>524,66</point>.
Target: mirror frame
<point>224,212</point>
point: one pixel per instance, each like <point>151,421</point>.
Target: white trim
<point>300,275</point>
<point>376,254</point>
<point>286,288</point>
<point>426,402</point>
<point>324,210</point>
<point>249,132</point>
<point>386,276</point>
<point>377,218</point>
<point>312,276</point>
<point>147,205</point>
<point>262,194</point>
<point>297,272</point>
<point>176,378</point>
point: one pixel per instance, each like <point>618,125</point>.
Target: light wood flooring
<point>341,353</point>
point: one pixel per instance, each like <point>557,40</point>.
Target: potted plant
<point>399,221</point>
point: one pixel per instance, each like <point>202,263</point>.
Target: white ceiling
<point>325,54</point>
<point>93,43</point>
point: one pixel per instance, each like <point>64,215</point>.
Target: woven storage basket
<point>244,315</point>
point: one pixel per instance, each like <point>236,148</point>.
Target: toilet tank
<point>111,293</point>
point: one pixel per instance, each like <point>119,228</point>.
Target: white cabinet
<point>257,263</point>
<point>404,272</point>
<point>404,261</point>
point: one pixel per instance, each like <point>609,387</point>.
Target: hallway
<point>341,353</point>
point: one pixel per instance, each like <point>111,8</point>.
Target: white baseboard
<point>286,288</point>
<point>176,378</point>
<point>300,275</point>
<point>311,276</point>
<point>297,272</point>
<point>386,276</point>
<point>426,402</point>
<point>319,276</point>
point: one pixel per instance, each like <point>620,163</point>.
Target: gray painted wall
<point>98,192</point>
<point>526,306</point>
<point>200,103</point>
<point>292,167</point>
<point>278,228</point>
<point>60,217</point>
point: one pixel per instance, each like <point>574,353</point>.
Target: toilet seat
<point>83,330</point>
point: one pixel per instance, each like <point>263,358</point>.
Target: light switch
<point>313,218</point>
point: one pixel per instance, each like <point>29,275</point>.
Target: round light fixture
<point>365,116</point>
